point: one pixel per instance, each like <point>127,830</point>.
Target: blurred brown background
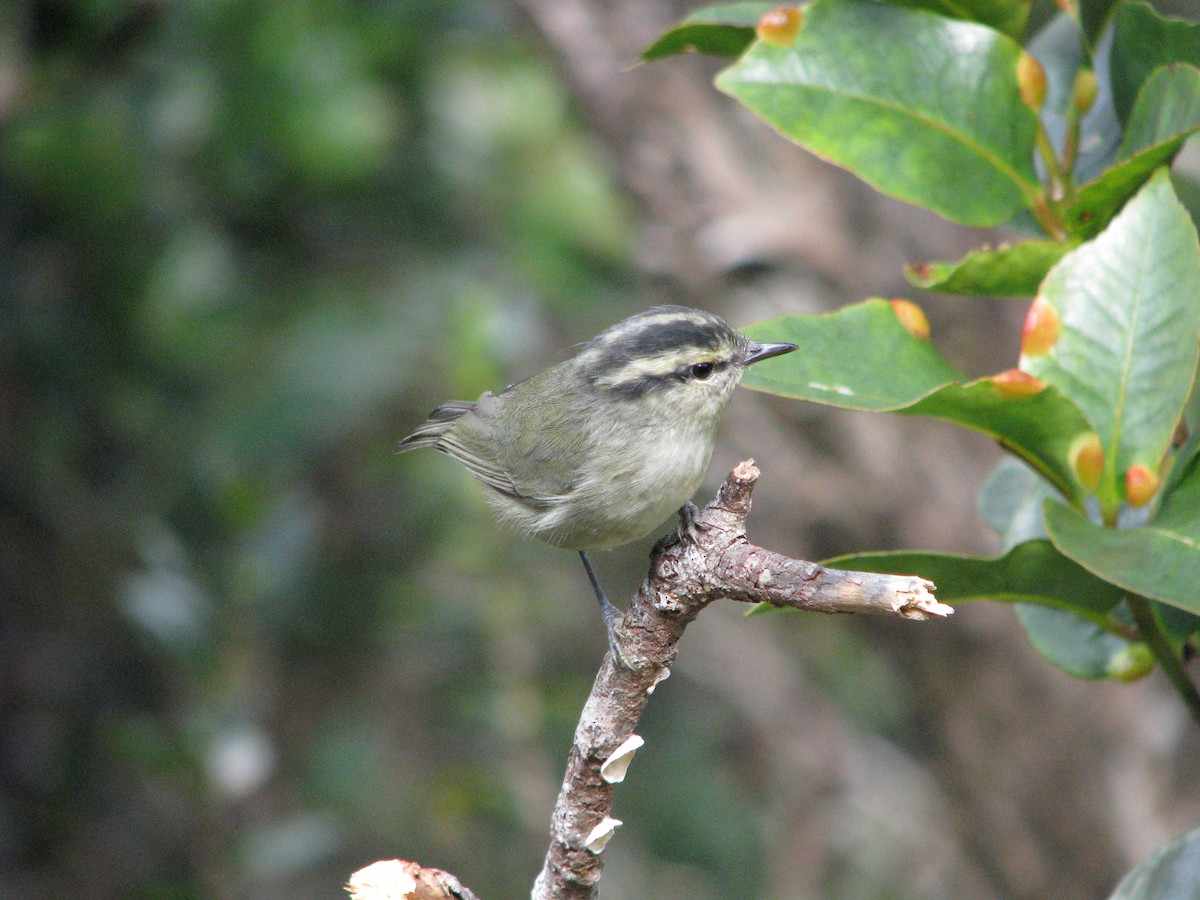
<point>246,649</point>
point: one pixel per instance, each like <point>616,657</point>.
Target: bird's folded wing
<point>494,475</point>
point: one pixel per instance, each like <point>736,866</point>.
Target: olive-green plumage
<point>598,450</point>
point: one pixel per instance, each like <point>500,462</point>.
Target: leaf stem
<point>1050,159</point>
<point>1115,626</point>
<point>1151,632</point>
<point>1047,218</point>
<point>1070,149</point>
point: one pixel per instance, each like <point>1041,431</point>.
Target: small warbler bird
<point>598,450</point>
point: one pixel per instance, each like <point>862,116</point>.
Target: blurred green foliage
<point>244,648</point>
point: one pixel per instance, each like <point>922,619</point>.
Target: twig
<point>708,559</point>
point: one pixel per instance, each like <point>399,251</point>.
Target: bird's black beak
<point>759,352</point>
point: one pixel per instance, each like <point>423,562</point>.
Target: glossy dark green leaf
<point>1172,871</point>
<point>1006,16</point>
<point>1166,113</point>
<point>1129,307</point>
<point>725,30</point>
<point>1142,41</point>
<point>859,357</point>
<point>863,358</point>
<point>1010,270</point>
<point>1031,572</point>
<point>1160,560</point>
<point>894,95</point>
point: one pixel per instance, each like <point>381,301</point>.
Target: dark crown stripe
<point>658,337</point>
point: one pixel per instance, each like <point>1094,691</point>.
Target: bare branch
<point>709,558</point>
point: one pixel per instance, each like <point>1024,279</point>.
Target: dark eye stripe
<point>639,387</point>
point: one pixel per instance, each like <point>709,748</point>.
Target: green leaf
<point>1179,624</point>
<point>863,358</point>
<point>894,95</point>
<point>1078,647</point>
<point>1142,41</point>
<point>1167,108</point>
<point>1065,610</point>
<point>725,30</point>
<point>1098,201</point>
<point>1038,428</point>
<point>1129,307</point>
<point>1010,270</point>
<point>1011,502</point>
<point>1160,561</point>
<point>1032,572</point>
<point>1094,15</point>
<point>859,357</point>
<point>1188,455</point>
<point>1166,113</point>
<point>1172,871</point>
<point>1006,16</point>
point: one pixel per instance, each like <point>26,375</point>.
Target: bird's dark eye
<point>702,370</point>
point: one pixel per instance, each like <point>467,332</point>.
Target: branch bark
<point>708,559</point>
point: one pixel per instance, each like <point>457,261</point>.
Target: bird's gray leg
<point>612,615</point>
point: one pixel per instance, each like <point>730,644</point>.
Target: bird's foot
<point>616,637</point>
<point>689,524</point>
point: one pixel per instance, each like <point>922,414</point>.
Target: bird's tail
<point>440,421</point>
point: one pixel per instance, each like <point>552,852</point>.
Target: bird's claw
<point>616,637</point>
<point>689,524</point>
